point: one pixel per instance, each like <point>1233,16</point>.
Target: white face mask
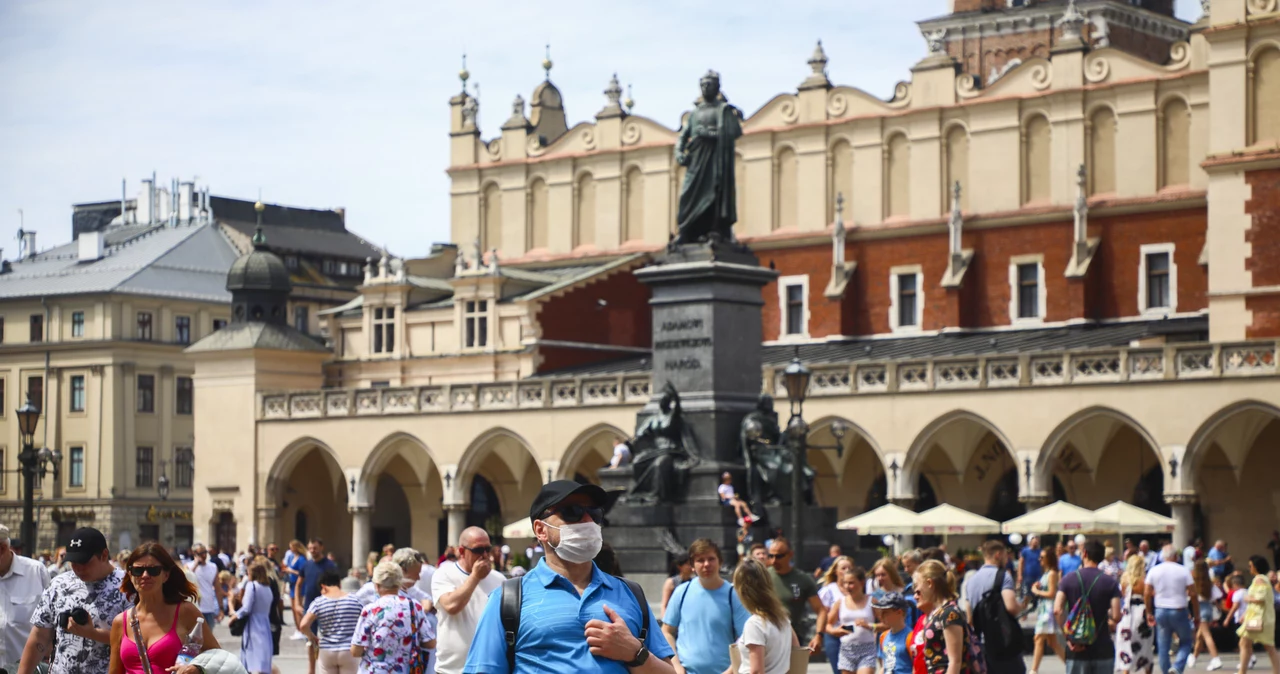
<point>579,542</point>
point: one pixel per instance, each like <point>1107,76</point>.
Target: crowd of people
<point>477,610</point>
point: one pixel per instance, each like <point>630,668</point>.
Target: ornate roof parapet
<point>1071,23</point>
<point>818,63</point>
<point>517,120</point>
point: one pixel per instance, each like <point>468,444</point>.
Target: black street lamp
<point>162,485</point>
<point>795,378</point>
<point>33,464</point>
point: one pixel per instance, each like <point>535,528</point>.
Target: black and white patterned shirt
<point>103,600</point>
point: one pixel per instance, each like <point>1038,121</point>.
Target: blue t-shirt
<point>1067,564</point>
<point>553,619</point>
<point>293,563</point>
<point>311,572</point>
<point>702,618</point>
<point>1216,555</point>
<point>893,651</point>
<point>1031,570</point>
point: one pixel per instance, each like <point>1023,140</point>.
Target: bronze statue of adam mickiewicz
<point>707,201</point>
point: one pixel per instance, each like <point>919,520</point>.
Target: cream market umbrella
<point>948,520</point>
<point>887,519</point>
<point>1132,518</point>
<point>1060,518</point>
<point>521,529</point>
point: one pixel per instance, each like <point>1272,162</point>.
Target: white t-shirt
<point>726,492</point>
<point>456,631</point>
<point>1239,602</point>
<point>776,641</point>
<point>621,455</point>
<point>424,579</point>
<point>1170,583</point>
<point>206,575</point>
<point>830,594</point>
<point>1189,556</point>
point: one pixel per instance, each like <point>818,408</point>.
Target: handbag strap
<point>137,640</point>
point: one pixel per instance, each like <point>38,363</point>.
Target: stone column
<point>1183,506</point>
<point>361,532</point>
<point>457,521</point>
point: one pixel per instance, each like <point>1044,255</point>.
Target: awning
<point>1130,517</point>
<point>1060,518</point>
<point>887,519</point>
<point>948,520</point>
<point>521,529</point>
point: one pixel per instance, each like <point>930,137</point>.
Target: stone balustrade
<point>1058,368</point>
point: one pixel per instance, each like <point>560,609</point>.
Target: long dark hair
<point>177,589</point>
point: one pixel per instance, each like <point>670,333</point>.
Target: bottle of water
<point>195,641</point>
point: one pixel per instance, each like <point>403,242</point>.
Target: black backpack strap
<point>512,593</point>
<point>733,624</point>
<point>644,608</point>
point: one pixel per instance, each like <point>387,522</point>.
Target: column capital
<point>360,509</point>
<point>1180,499</point>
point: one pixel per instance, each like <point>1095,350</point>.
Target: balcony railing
<point>1173,362</point>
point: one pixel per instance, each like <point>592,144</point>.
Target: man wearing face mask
<point>460,591</point>
<point>573,617</point>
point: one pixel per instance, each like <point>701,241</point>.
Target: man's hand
<point>815,644</point>
<point>612,639</point>
<point>85,631</point>
<point>480,570</point>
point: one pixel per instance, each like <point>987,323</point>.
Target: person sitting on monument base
<point>729,497</point>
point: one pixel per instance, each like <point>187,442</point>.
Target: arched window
<point>898,177</point>
<point>841,176</point>
<point>1036,152</point>
<point>584,215</point>
<point>957,167</point>
<point>785,189</point>
<point>1175,151</point>
<point>1266,96</point>
<point>633,215</point>
<point>538,227</point>
<point>1102,151</point>
<point>491,232</point>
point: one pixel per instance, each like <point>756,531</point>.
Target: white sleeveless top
<point>848,616</point>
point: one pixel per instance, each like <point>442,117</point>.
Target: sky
<point>325,104</point>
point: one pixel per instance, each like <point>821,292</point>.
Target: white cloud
<point>324,104</point>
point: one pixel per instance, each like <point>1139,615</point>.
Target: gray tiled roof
<point>237,336</point>
<point>188,262</point>
<point>325,242</point>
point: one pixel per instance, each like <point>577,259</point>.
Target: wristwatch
<point>642,656</point>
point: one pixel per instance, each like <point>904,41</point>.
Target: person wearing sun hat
<point>566,588</point>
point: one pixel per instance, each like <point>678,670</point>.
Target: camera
<point>77,614</point>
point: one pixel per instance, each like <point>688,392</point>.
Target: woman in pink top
<point>164,613</point>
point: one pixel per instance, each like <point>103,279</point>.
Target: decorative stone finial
<point>628,102</point>
<point>1072,22</point>
<point>937,41</point>
<point>259,238</point>
<point>839,210</point>
<point>464,74</point>
<point>1204,8</point>
<point>818,63</point>
<point>368,270</point>
<point>493,261</point>
<point>517,106</point>
<point>613,96</point>
<point>471,109</point>
<point>517,119</point>
<point>547,63</point>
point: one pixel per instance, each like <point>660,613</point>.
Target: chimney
<point>90,246</point>
<point>146,201</point>
<point>186,206</point>
<point>342,214</point>
<point>29,243</point>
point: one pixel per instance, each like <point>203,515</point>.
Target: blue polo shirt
<point>553,622</point>
<point>1068,564</point>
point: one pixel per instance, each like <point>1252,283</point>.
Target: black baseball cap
<point>559,490</point>
<point>85,544</point>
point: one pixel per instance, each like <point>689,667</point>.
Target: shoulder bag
<point>137,640</point>
<point>418,661</point>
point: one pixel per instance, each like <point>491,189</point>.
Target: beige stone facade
<point>408,445</point>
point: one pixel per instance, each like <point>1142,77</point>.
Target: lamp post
<point>33,463</point>
<point>795,379</point>
<point>162,485</point>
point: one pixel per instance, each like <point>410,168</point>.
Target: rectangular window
<point>37,327</point>
<point>77,324</point>
<point>183,467</point>
<point>291,261</point>
<point>77,393</point>
<point>146,393</point>
<point>476,324</point>
<point>143,469</point>
<point>1158,281</point>
<point>185,395</point>
<point>301,319</point>
<point>1029,290</point>
<point>219,323</point>
<point>75,467</point>
<point>329,266</point>
<point>379,384</point>
<point>795,309</point>
<point>144,326</point>
<point>182,329</point>
<point>35,391</point>
<point>384,330</point>
<point>907,300</point>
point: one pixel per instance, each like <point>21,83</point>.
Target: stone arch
<point>1209,432</point>
<point>1264,92</point>
<point>307,477</point>
<point>786,187</point>
<point>405,471</point>
<point>585,452</point>
<point>840,170</point>
<point>291,456</point>
<point>967,447</point>
<point>845,481</point>
<point>1102,121</point>
<point>956,164</point>
<point>1091,441</point>
<point>507,461</point>
<point>539,226</point>
<point>1175,141</point>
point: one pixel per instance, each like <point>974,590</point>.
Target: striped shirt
<point>336,620</point>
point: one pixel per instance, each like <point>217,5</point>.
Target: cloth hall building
<point>1092,315</point>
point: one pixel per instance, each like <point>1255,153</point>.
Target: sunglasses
<point>153,571</point>
<point>573,513</point>
<point>778,555</point>
<point>479,549</point>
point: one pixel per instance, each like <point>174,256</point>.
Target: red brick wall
<point>578,317</point>
<point>1264,260</point>
<point>1110,291</point>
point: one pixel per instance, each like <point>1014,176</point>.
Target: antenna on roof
<point>124,200</point>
